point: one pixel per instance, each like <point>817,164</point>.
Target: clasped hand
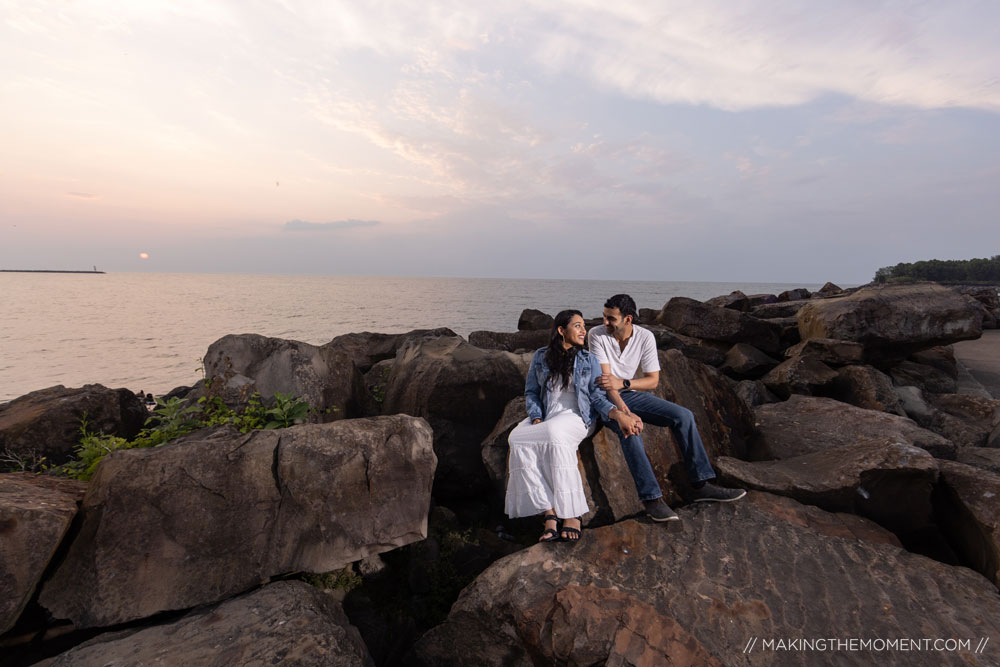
<point>630,424</point>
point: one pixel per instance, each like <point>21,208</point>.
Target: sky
<point>723,140</point>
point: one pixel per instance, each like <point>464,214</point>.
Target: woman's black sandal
<point>550,534</point>
<point>572,532</point>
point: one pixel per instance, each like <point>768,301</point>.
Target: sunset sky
<point>724,141</point>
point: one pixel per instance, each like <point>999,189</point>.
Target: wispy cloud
<point>81,195</point>
<point>303,226</point>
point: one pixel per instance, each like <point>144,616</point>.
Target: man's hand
<point>629,423</point>
<point>609,382</point>
<point>536,421</point>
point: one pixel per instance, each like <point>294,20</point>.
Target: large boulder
<point>534,320</point>
<point>462,391</point>
<point>510,341</point>
<point>734,300</point>
<point>46,423</point>
<point>866,387</point>
<point>287,623</point>
<point>807,424</point>
<point>701,320</point>
<point>777,310</point>
<point>987,458</point>
<point>736,576</point>
<point>969,506</point>
<point>239,365</point>
<point>366,349</point>
<point>890,483</point>
<point>746,361</point>
<point>217,512</point>
<point>797,294</point>
<point>35,513</point>
<point>829,351</point>
<point>928,378</point>
<point>892,321</point>
<point>706,351</point>
<point>799,375</point>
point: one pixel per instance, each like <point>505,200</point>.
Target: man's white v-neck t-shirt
<point>639,353</point>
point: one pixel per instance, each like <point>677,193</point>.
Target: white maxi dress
<point>542,464</point>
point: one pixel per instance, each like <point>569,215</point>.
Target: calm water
<point>150,331</point>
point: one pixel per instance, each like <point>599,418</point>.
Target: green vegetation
<point>345,580</point>
<point>173,418</point>
<point>969,271</point>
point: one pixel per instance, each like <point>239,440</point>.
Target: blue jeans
<point>658,412</point>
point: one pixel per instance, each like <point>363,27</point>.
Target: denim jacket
<point>592,400</point>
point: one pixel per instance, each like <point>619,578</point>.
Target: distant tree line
<point>943,270</point>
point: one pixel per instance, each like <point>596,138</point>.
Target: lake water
<point>149,331</point>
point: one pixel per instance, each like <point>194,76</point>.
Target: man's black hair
<point>624,303</point>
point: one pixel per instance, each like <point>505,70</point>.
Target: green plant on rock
<point>345,579</point>
<point>92,448</point>
<point>287,411</point>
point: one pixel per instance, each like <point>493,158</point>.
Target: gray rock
<point>911,399</point>
<point>46,423</point>
<point>635,594</point>
<point>805,424</point>
<point>970,511</point>
<point>888,482</point>
<point>760,299</point>
<point>892,321</point>
<point>287,622</point>
<point>35,513</point>
<point>216,513</point>
<point>830,289</point>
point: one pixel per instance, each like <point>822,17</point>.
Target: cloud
<point>81,195</point>
<point>303,226</point>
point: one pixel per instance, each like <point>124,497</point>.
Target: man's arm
<point>609,382</point>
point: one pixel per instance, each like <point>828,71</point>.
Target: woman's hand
<point>536,421</point>
<point>629,423</point>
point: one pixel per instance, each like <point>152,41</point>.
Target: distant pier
<point>44,271</point>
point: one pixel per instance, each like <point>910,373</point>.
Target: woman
<point>564,405</point>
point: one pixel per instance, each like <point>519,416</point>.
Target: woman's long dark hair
<point>558,359</point>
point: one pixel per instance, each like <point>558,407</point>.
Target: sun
<point>143,255</point>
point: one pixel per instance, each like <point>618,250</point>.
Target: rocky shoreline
<point>873,466</point>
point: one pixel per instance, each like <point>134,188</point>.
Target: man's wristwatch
<point>626,384</point>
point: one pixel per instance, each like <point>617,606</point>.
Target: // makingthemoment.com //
<point>865,644</point>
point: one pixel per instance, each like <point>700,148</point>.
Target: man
<point>622,348</point>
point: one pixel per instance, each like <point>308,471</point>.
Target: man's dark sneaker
<point>710,493</point>
<point>660,511</point>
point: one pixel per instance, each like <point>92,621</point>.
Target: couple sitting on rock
<point>567,390</point>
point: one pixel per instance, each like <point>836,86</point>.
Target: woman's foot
<point>551,533</point>
<point>571,530</point>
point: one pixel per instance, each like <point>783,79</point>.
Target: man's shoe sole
<point>719,500</point>
<point>665,519</point>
